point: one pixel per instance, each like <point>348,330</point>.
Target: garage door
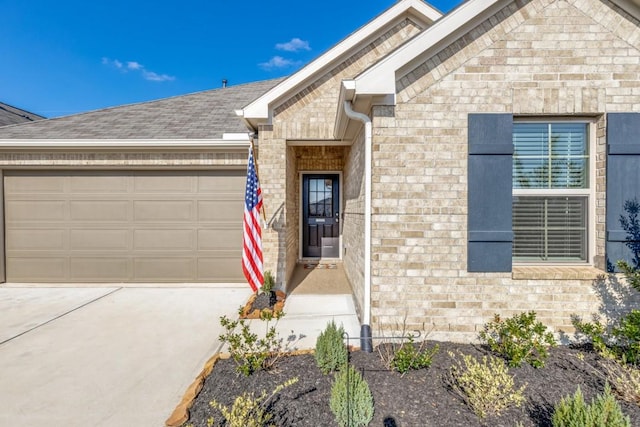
<point>123,226</point>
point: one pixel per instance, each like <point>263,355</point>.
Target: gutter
<point>365,330</point>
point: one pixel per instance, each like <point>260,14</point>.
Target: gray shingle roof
<point>11,115</point>
<point>202,115</point>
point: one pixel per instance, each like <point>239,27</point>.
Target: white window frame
<point>590,192</point>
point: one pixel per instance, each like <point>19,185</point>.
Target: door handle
<point>337,216</point>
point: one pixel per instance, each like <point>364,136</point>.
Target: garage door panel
<point>99,210</point>
<point>158,183</point>
<point>99,269</point>
<point>98,184</point>
<point>35,240</point>
<point>161,239</point>
<point>164,269</point>
<point>41,183</point>
<point>123,226</point>
<point>219,239</point>
<point>222,182</point>
<point>227,211</point>
<point>41,210</point>
<point>99,239</point>
<point>31,269</point>
<point>223,268</point>
<point>163,210</point>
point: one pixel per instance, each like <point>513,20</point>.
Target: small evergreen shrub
<point>269,282</point>
<point>409,357</point>
<point>519,339</point>
<point>247,409</point>
<point>250,352</point>
<point>603,411</point>
<point>330,352</point>
<point>621,341</point>
<point>486,387</point>
<point>351,400</point>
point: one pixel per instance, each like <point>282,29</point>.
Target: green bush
<point>330,352</point>
<point>409,357</point>
<point>269,282</point>
<point>620,342</point>
<point>248,351</point>
<point>486,387</point>
<point>603,411</point>
<point>351,400</point>
<point>247,409</point>
<point>519,339</point>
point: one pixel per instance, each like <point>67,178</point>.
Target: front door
<point>320,216</point>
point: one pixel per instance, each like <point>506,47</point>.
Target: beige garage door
<point>123,226</point>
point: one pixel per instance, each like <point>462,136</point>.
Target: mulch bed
<point>419,398</point>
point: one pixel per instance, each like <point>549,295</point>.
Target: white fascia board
<point>125,144</point>
<point>259,109</point>
<point>381,78</point>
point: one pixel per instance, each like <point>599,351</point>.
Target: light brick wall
<point>237,158</point>
<point>310,115</point>
<point>538,58</point>
<point>353,220</point>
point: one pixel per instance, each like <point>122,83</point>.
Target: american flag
<point>252,234</point>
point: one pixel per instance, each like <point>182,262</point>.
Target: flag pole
<point>255,164</point>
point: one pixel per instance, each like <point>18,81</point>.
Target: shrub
<point>351,400</point>
<point>621,342</point>
<point>247,409</point>
<point>269,282</point>
<point>486,387</point>
<point>248,351</point>
<point>624,379</point>
<point>519,339</point>
<point>409,357</point>
<point>603,411</point>
<point>330,352</point>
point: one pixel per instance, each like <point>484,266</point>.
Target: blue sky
<point>71,56</point>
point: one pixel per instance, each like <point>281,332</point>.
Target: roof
<point>201,115</point>
<point>11,115</point>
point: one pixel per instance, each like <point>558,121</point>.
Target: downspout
<point>365,330</point>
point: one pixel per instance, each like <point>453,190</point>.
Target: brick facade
<point>535,59</point>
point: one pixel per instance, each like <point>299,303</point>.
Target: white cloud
<point>154,77</point>
<point>294,45</point>
<point>138,67</point>
<point>133,65</point>
<point>278,62</point>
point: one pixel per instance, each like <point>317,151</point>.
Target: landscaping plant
<point>408,357</point>
<point>351,400</point>
<point>248,410</point>
<point>330,352</point>
<point>250,352</point>
<point>519,339</point>
<point>603,411</point>
<point>624,378</point>
<point>486,387</point>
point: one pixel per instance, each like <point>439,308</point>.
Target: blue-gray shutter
<point>623,180</point>
<point>490,166</point>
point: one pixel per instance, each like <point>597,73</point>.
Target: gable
<point>541,57</point>
<point>260,111</point>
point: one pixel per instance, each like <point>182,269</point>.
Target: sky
<point>70,56</point>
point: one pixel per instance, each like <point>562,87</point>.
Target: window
<point>551,191</point>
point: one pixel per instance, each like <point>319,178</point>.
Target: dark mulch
<point>419,398</point>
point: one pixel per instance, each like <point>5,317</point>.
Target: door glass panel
<point>320,197</point>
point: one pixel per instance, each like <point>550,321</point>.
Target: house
<point>467,164</point>
<point>11,115</point>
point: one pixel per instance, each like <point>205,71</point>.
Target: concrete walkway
<point>113,356</point>
<point>104,356</point>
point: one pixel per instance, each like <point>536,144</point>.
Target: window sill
<point>556,273</point>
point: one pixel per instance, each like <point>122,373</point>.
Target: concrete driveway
<point>105,356</point>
